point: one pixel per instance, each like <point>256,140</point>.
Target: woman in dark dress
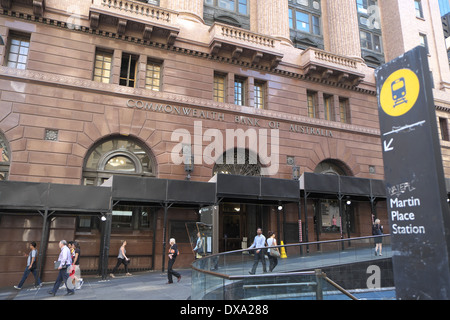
<point>377,230</point>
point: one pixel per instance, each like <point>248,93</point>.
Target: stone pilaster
<point>188,7</point>
<point>271,19</point>
<point>340,27</point>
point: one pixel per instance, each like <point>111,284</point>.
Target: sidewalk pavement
<point>150,285</point>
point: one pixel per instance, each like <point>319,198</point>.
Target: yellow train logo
<point>399,92</point>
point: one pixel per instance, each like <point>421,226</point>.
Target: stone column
<point>341,28</point>
<point>188,7</point>
<point>271,18</point>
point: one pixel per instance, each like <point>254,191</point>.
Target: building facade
<point>98,88</point>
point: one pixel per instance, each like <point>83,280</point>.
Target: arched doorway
<point>238,221</point>
<point>329,219</point>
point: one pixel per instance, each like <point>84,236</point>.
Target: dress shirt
<point>259,242</point>
<point>65,257</point>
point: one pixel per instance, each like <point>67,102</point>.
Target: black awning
<point>15,195</point>
<point>326,186</point>
<point>153,190</point>
<point>246,188</point>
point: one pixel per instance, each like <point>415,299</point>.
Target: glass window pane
<point>120,163</point>
<point>226,4</point>
<point>302,21</point>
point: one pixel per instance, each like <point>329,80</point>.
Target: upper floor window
<point>153,76</point>
<point>424,41</point>
<point>128,70</point>
<point>418,7</point>
<point>260,94</point>
<point>369,18</point>
<point>18,48</point>
<point>304,21</point>
<point>344,110</point>
<point>328,102</point>
<point>239,6</point>
<point>313,110</point>
<point>102,67</point>
<point>239,91</point>
<point>219,87</point>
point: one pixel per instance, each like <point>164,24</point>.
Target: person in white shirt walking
<point>65,261</point>
<point>259,243</point>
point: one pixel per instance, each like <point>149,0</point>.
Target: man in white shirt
<point>259,243</point>
<point>65,261</point>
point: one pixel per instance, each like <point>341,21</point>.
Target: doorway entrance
<point>238,223</point>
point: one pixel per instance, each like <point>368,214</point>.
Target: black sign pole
<point>416,193</point>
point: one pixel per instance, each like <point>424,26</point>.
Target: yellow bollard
<point>283,252</point>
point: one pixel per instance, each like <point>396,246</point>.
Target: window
<point>369,20</point>
<point>443,124</point>
<point>239,6</point>
<point>219,87</point>
<point>260,91</point>
<point>424,41</point>
<point>344,110</point>
<point>153,76</point>
<point>418,7</point>
<point>329,107</point>
<point>363,5</point>
<point>128,70</point>
<point>239,91</point>
<point>119,155</point>
<point>19,45</point>
<point>102,67</point>
<point>241,162</point>
<point>370,41</point>
<point>313,110</point>
<point>303,21</point>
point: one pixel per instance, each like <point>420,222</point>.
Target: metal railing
<point>299,275</point>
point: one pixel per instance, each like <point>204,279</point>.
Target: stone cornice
<point>299,74</point>
<point>171,98</point>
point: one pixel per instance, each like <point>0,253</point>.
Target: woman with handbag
<point>273,253</point>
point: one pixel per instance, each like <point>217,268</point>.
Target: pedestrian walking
<point>31,267</point>
<point>273,253</point>
<point>173,254</point>
<point>122,259</point>
<point>76,265</point>
<point>199,247</point>
<point>64,262</point>
<point>259,243</point>
<point>377,230</point>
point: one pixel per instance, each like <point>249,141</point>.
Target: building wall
<point>56,92</point>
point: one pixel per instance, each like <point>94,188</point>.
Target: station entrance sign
<point>416,195</point>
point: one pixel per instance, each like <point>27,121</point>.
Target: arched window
<point>243,162</point>
<point>332,167</point>
<point>5,158</point>
<point>118,155</point>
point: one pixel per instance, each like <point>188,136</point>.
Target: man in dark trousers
<point>259,243</point>
<point>173,253</point>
